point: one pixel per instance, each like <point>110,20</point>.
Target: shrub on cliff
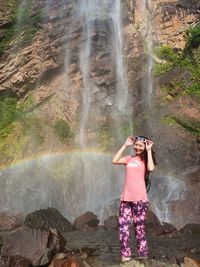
<point>193,37</point>
<point>62,130</point>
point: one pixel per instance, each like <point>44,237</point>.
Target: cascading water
<point>170,187</point>
<point>86,180</point>
<point>117,43</point>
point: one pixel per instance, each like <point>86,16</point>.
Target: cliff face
<point>40,65</point>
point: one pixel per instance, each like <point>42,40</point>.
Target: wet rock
<point>49,218</point>
<point>153,224</point>
<point>86,221</point>
<point>16,261</point>
<point>155,227</point>
<point>111,223</point>
<point>9,221</point>
<point>36,245</point>
<point>191,229</point>
<point>188,262</point>
<point>66,263</point>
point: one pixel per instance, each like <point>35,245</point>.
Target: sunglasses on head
<point>140,138</point>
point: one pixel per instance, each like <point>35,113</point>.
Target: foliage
<point>10,112</point>
<point>193,37</point>
<point>62,130</point>
<point>167,53</point>
<point>23,28</point>
<point>33,128</point>
<point>162,68</point>
<point>17,128</point>
<point>104,137</point>
<point>190,125</point>
<point>187,61</point>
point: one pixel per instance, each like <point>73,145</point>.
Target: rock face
<point>49,218</point>
<point>38,246</point>
<point>169,18</point>
<point>15,261</point>
<point>52,68</point>
<point>111,223</point>
<point>9,221</point>
<point>86,221</point>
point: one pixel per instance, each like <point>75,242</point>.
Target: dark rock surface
<point>49,218</point>
<point>15,261</point>
<point>86,221</point>
<point>104,245</point>
<point>9,221</point>
<point>36,245</point>
<point>111,223</point>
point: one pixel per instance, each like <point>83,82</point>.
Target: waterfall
<point>87,11</point>
<point>117,44</point>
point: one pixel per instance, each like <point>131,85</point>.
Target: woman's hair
<point>144,153</point>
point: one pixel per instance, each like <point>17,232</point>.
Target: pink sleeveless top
<point>134,188</point>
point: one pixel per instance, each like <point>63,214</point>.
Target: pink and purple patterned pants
<point>137,212</point>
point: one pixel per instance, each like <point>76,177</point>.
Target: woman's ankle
<point>125,258</point>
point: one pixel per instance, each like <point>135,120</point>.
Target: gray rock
<point>36,245</point>
<point>49,218</point>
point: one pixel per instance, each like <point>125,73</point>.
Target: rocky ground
<point>51,239</point>
<point>101,248</point>
<point>161,248</point>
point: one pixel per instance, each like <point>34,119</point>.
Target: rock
<point>111,223</point>
<point>36,245</point>
<point>155,227</point>
<point>66,263</point>
<point>188,262</point>
<point>191,229</point>
<point>16,261</point>
<point>49,218</point>
<point>86,221</point>
<point>9,221</point>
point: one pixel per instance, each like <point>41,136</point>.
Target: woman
<point>134,201</point>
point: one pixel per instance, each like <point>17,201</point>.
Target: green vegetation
<point>10,112</point>
<point>63,130</point>
<point>189,125</point>
<point>24,26</point>
<point>104,137</point>
<point>193,37</point>
<point>17,128</point>
<point>187,61</point>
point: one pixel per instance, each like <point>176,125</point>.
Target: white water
<point>117,44</point>
<point>93,181</point>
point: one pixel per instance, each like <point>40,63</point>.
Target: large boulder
<point>48,218</point>
<point>16,261</point>
<point>86,221</point>
<point>36,245</point>
<point>111,223</point>
<point>9,221</point>
<point>155,227</point>
<point>191,229</point>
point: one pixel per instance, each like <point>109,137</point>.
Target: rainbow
<point>49,155</point>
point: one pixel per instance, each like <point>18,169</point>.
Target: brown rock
<point>16,261</point>
<point>191,228</point>
<point>155,227</point>
<point>86,221</point>
<point>49,218</point>
<point>36,245</point>
<point>66,263</point>
<point>9,221</point>
<point>111,223</point>
<point>188,262</point>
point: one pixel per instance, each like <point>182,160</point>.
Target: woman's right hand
<point>129,141</point>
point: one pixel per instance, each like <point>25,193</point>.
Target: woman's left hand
<point>149,144</point>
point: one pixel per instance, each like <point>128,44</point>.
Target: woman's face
<point>139,147</point>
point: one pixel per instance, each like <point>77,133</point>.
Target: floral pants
<point>137,212</point>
